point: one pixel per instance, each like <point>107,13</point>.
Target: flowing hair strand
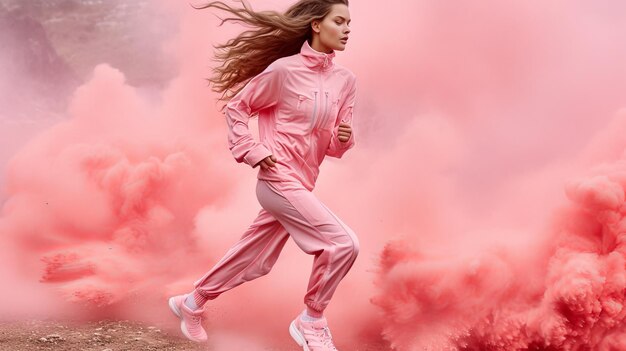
<point>272,35</point>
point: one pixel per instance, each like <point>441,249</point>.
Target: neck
<point>319,47</point>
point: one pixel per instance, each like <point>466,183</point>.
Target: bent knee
<point>349,247</point>
<point>355,248</point>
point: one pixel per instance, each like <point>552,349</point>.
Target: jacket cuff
<point>256,154</point>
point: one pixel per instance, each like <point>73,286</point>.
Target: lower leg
<point>326,276</point>
<point>251,257</point>
<point>312,314</point>
<point>194,300</point>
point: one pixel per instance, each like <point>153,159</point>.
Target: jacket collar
<point>318,61</point>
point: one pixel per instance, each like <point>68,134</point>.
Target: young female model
<point>304,103</point>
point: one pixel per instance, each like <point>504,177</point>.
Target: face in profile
<point>334,29</point>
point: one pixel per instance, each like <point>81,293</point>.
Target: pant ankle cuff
<point>199,299</point>
<point>314,313</point>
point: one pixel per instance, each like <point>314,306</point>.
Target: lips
<point>344,39</point>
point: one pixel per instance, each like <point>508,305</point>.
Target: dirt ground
<point>98,336</point>
<point>101,336</point>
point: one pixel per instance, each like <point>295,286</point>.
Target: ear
<point>315,25</point>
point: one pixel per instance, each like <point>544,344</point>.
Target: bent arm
<point>337,148</point>
<point>260,92</point>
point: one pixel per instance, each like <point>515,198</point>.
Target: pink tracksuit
<point>300,101</point>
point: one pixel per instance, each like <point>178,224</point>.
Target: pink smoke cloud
<point>102,197</point>
<point>563,294</point>
<point>469,228</point>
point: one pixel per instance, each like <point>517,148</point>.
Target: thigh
<point>309,222</point>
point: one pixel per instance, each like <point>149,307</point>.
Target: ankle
<point>190,302</point>
<point>194,301</point>
<point>199,298</point>
<point>311,315</point>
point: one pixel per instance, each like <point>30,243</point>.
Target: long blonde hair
<point>273,35</point>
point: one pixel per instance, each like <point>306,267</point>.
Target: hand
<point>344,132</point>
<point>269,161</point>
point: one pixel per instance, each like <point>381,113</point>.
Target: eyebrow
<point>343,18</point>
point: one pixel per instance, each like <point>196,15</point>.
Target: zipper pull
<point>326,106</point>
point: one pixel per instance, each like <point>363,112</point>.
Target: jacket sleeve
<point>337,148</point>
<point>261,92</point>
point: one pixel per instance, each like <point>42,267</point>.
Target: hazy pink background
<point>487,186</point>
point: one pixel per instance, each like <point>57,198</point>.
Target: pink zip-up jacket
<point>300,101</point>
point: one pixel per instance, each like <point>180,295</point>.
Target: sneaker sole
<point>297,336</point>
<point>173,307</point>
<point>176,311</point>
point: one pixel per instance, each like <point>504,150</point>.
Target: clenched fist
<point>344,132</point>
<point>269,161</point>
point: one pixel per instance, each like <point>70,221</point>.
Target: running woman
<point>283,71</point>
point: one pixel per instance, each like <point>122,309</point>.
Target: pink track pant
<point>288,209</point>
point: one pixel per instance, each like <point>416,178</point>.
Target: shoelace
<point>326,337</point>
<point>196,320</point>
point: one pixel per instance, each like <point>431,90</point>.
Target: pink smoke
<point>563,294</point>
<point>495,257</point>
<point>103,197</point>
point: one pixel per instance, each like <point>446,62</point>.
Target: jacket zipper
<point>315,123</point>
<point>320,120</point>
<point>314,111</point>
<point>325,111</point>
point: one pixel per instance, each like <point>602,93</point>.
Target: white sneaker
<point>190,321</point>
<point>312,336</point>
